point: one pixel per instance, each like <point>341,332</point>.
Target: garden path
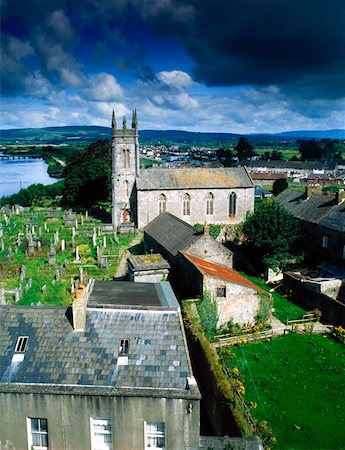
<point>281,328</point>
<point>122,268</point>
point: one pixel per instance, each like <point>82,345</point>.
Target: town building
<point>113,371</point>
<point>196,195</point>
<point>322,219</point>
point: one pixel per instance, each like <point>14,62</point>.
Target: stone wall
<point>148,205</point>
<point>332,311</point>
<point>206,247</point>
<point>240,305</point>
<point>68,418</point>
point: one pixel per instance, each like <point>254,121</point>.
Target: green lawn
<point>298,383</point>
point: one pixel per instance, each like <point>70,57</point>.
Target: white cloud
<point>102,87</point>
<point>175,78</point>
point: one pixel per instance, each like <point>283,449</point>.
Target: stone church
<point>195,195</point>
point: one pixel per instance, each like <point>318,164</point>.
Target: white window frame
<point>30,432</point>
<point>186,205</point>
<point>154,434</point>
<point>162,203</point>
<point>98,421</point>
<point>21,344</point>
<point>324,241</point>
<point>209,204</point>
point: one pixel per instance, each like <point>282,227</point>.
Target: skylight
<point>22,344</point>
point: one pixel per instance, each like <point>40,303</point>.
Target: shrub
<point>208,312</point>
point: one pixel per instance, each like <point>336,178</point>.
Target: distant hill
<point>317,134</point>
<point>57,135</point>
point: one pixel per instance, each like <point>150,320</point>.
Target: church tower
<point>125,169</point>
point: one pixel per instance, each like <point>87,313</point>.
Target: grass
<point>283,309</point>
<point>56,292</point>
<point>298,383</point>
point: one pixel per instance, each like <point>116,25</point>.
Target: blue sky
<point>224,66</point>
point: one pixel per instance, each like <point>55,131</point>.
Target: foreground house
<point>111,372</point>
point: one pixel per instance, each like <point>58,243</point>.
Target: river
<point>19,173</point>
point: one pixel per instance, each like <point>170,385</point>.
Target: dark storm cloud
<point>296,44</point>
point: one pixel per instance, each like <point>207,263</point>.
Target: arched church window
<point>126,189</point>
<point>232,204</point>
<point>162,203</point>
<point>186,205</point>
<point>126,155</point>
<point>209,203</point>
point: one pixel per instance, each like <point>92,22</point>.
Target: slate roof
<point>127,293</point>
<point>319,209</point>
<point>194,178</point>
<point>293,165</point>
<point>165,226</point>
<point>221,272</point>
<point>58,355</point>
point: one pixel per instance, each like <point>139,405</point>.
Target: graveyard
<point>46,253</point>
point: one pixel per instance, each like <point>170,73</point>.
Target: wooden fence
<point>224,339</point>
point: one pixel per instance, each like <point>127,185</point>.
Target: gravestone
<point>104,261</point>
<point>10,254</point>
<point>52,256</point>
<point>2,296</point>
<point>63,245</point>
<point>2,246</point>
<point>31,245</point>
<point>81,275</point>
<point>1,231</point>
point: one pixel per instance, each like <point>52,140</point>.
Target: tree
<point>310,150</point>
<point>279,186</point>
<point>269,233</point>
<point>244,149</point>
<point>88,176</point>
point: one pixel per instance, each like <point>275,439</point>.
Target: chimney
<point>79,309</point>
<point>312,189</point>
<point>340,196</point>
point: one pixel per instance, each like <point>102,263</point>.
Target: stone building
<point>238,299</point>
<point>170,236</point>
<point>322,220</point>
<point>196,195</point>
<point>111,372</point>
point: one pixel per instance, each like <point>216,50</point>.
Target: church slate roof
<point>165,226</point>
<point>194,178</point>
<point>59,356</point>
<point>318,209</point>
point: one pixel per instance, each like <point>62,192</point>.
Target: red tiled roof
<point>218,271</point>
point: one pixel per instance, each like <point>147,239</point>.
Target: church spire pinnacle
<point>134,119</point>
<point>124,124</point>
<point>113,122</point>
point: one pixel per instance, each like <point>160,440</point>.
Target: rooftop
<point>194,178</point>
<point>219,271</point>
<point>60,358</point>
<point>318,208</point>
<point>148,262</point>
<point>171,233</point>
<point>127,293</point>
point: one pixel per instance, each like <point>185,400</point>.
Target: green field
<point>298,384</point>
